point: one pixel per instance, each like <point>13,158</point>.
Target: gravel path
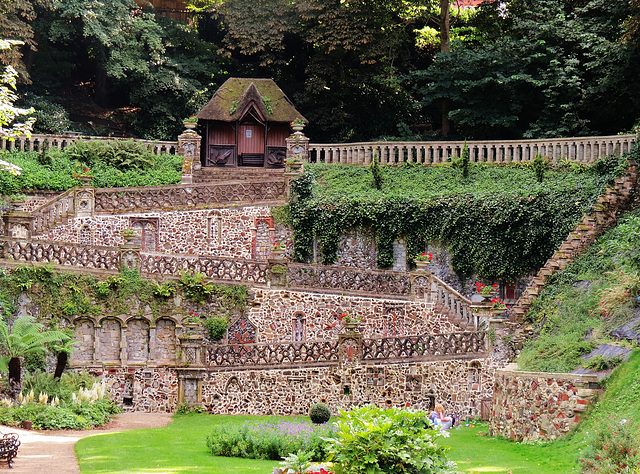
<point>52,451</point>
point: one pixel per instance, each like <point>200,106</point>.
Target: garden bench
<point>9,447</point>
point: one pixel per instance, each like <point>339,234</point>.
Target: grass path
<point>181,447</point>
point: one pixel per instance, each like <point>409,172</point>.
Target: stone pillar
<point>18,224</point>
<point>298,147</point>
<point>129,256</point>
<point>191,353</point>
<point>350,346</point>
<point>84,200</point>
<point>123,345</point>
<point>189,149</point>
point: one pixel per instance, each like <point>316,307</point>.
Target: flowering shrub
<point>613,448</point>
<point>485,290</point>
<point>270,440</point>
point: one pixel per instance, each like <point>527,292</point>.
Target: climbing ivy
<point>498,223</point>
<point>60,294</point>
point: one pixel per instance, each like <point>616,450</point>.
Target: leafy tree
<point>542,68</point>
<point>25,336</point>
<point>9,128</point>
<point>62,349</point>
<point>130,56</point>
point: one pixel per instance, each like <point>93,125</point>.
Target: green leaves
<point>385,441</point>
<point>499,222</point>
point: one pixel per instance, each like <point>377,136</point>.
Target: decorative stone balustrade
<point>110,200</point>
<point>392,349</point>
<point>449,301</point>
<point>278,355</point>
<point>229,269</point>
<point>53,212</point>
<point>349,278</point>
<point>41,143</point>
<point>578,149</point>
<point>348,350</point>
<point>59,253</point>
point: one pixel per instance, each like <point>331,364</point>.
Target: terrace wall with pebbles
<point>533,406</point>
<point>241,232</point>
<point>460,385</point>
<point>277,314</point>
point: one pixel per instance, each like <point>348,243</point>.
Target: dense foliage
<point>499,222</point>
<point>357,70</point>
<point>270,440</point>
<point>112,165</point>
<point>390,441</point>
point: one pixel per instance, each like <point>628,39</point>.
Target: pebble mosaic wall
<point>531,406</point>
<point>243,232</point>
<point>277,314</point>
<point>459,385</point>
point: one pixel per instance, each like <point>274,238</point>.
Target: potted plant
<point>498,307</point>
<point>297,125</point>
<point>190,122</point>
<point>294,163</point>
<point>423,260</point>
<point>350,322</point>
<point>487,292</point>
<point>128,234</point>
<point>279,249</point>
<point>84,176</point>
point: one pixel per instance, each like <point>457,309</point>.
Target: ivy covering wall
<point>499,222</point>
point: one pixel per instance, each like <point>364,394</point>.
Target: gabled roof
<point>236,95</point>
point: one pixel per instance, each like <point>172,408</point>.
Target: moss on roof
<point>230,100</point>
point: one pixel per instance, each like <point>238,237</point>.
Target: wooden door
<point>251,144</point>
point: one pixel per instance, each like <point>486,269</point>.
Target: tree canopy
<point>358,69</point>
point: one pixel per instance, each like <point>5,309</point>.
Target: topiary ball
<point>319,413</point>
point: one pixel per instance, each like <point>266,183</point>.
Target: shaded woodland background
<point>357,69</point>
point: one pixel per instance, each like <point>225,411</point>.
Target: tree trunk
<point>444,47</point>
<point>61,364</point>
<point>14,371</point>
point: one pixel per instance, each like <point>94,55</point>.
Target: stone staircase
<point>217,174</point>
<point>605,215</point>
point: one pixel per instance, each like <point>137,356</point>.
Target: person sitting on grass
<point>439,419</point>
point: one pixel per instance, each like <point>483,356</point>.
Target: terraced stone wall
<point>460,385</point>
<point>536,406</point>
<point>242,232</point>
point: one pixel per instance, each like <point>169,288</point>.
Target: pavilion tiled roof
<point>230,101</point>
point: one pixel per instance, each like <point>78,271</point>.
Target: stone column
<point>84,200</point>
<point>189,149</point>
<point>129,256</point>
<point>350,347</point>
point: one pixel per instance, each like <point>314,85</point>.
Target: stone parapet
<point>539,406</point>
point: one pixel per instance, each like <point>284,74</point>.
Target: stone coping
<point>512,370</point>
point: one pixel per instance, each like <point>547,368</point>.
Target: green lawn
<point>181,447</point>
<point>477,454</point>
